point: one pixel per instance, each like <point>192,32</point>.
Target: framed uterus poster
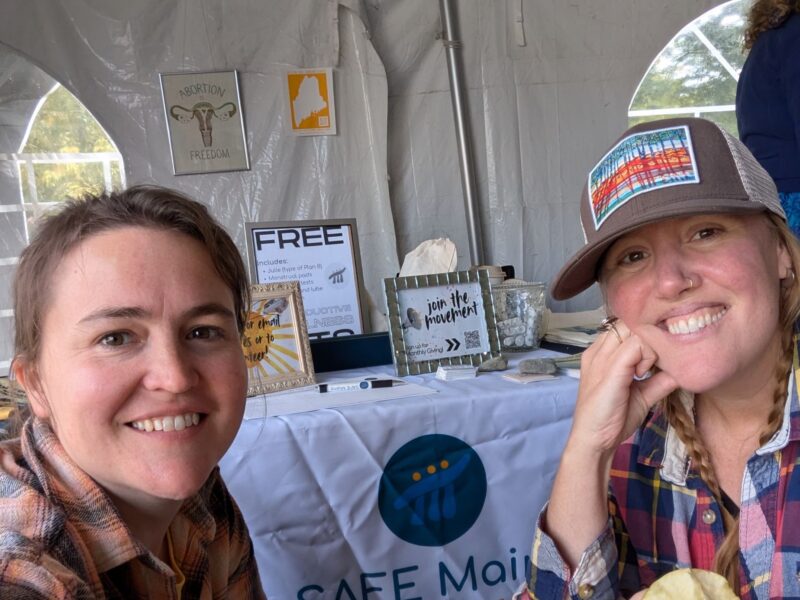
<point>203,112</point>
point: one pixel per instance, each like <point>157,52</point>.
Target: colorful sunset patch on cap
<point>639,163</point>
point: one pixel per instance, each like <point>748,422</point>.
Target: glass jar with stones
<point>519,310</point>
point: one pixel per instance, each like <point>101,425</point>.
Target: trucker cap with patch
<point>659,170</point>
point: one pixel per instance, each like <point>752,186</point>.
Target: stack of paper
<point>575,329</point>
<point>577,335</point>
<point>453,372</point>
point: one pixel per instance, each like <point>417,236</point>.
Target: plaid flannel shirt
<point>664,517</point>
<point>62,538</point>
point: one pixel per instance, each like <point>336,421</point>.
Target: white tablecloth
<point>310,485</point>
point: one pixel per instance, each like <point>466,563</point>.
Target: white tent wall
<point>109,54</point>
<point>540,113</point>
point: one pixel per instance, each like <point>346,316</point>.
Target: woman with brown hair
<point>768,97</point>
<point>687,425</point>
<point>129,308</point>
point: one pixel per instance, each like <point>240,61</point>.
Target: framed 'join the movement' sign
<point>275,342</point>
<point>324,257</point>
<point>442,319</point>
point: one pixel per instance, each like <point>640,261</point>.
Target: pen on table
<point>352,386</point>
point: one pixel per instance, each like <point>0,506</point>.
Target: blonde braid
<point>726,558</point>
<point>684,426</point>
<point>775,418</point>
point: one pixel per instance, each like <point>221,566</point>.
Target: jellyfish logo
<point>432,490</point>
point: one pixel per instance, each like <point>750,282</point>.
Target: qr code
<point>472,339</point>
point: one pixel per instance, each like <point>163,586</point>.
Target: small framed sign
<point>204,122</point>
<point>442,319</point>
<point>312,109</point>
<point>275,341</point>
<point>325,258</point>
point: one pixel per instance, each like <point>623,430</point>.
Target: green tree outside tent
<point>63,125</point>
<point>698,68</point>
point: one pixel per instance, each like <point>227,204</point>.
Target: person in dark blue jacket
<point>768,97</point>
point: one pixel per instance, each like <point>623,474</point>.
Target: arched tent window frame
<point>26,162</point>
<point>696,111</point>
<point>29,202</point>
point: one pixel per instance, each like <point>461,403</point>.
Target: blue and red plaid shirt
<point>664,517</point>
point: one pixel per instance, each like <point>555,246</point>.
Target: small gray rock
<point>498,363</point>
<point>537,366</point>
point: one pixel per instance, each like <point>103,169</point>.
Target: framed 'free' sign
<point>324,257</point>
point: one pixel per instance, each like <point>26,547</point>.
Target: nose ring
<point>691,282</point>
<point>610,324</point>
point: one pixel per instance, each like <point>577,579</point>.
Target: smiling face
<point>703,292</point>
<point>140,371</point>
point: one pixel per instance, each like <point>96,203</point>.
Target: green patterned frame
<point>394,286</point>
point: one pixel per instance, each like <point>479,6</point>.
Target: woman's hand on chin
<point>612,399</point>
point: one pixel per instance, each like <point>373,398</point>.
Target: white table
<point>310,485</point>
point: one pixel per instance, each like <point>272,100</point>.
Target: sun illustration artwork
<point>269,343</point>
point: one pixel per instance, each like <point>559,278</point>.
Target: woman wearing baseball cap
<point>687,425</point>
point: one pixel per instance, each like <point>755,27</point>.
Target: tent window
<point>66,154</point>
<point>696,72</point>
